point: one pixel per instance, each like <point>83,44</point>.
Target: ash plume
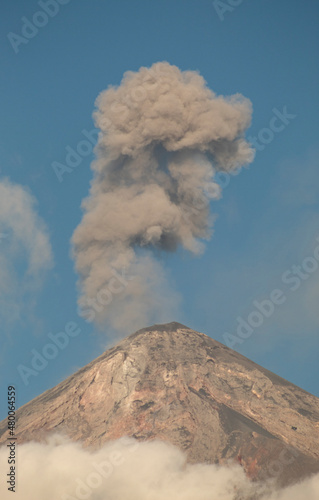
<point>163,137</point>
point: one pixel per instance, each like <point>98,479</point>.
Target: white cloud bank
<point>128,470</point>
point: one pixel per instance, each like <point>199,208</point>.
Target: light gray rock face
<point>172,383</point>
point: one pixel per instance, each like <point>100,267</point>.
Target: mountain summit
<point>171,383</point>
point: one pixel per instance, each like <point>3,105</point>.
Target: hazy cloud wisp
<point>25,250</point>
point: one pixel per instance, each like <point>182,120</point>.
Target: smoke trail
<point>164,134</point>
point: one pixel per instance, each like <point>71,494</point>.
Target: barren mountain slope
<point>172,383</point>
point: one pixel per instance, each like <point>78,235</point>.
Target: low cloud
<point>130,470</point>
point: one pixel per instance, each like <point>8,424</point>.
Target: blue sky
<point>267,219</point>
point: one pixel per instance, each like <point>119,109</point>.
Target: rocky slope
<point>172,383</point>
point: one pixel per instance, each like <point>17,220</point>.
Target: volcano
<point>171,383</point>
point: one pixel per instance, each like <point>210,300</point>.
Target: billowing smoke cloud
<point>25,252</point>
<point>164,136</point>
<point>129,470</point>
